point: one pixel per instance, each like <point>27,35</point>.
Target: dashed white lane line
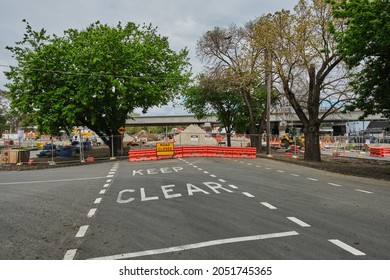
<point>268,168</point>
<point>333,184</point>
<point>106,185</point>
<point>312,179</point>
<point>270,206</point>
<point>258,166</point>
<point>249,163</point>
<point>346,247</point>
<point>110,176</point>
<point>233,186</point>
<point>198,245</point>
<point>222,180</point>
<point>248,194</point>
<point>109,180</point>
<point>213,175</point>
<point>82,231</point>
<point>280,171</point>
<point>295,175</point>
<point>200,169</point>
<point>206,172</point>
<point>98,200</point>
<point>70,254</point>
<point>363,191</point>
<point>298,221</point>
<point>91,212</point>
<point>102,192</point>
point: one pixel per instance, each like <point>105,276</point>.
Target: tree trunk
<point>312,144</point>
<point>229,139</point>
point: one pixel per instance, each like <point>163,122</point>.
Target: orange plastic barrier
<point>141,155</point>
<point>379,152</point>
<point>195,151</point>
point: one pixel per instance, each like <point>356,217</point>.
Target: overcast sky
<point>182,21</point>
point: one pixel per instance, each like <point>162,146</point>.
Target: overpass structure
<point>276,117</point>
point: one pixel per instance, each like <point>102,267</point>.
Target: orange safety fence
<point>195,151</point>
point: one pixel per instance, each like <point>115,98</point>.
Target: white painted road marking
<point>280,171</point>
<point>70,254</point>
<point>333,184</point>
<point>102,192</point>
<point>82,231</point>
<point>363,191</point>
<point>222,180</point>
<point>295,175</point>
<point>248,194</point>
<point>298,221</point>
<point>233,186</point>
<point>346,247</point>
<point>312,179</point>
<point>206,172</point>
<point>91,212</point>
<point>106,185</point>
<point>266,204</point>
<point>198,245</point>
<point>213,175</point>
<point>98,200</point>
<point>109,180</point>
<point>110,176</point>
<point>52,181</point>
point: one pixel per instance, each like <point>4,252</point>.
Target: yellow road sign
<point>164,149</point>
<point>121,130</point>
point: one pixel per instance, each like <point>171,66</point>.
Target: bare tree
<point>229,50</point>
<point>308,67</point>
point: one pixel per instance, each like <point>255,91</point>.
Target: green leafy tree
<point>365,46</point>
<point>213,97</point>
<point>3,111</point>
<point>94,77</point>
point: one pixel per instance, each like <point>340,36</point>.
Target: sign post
<point>122,131</point>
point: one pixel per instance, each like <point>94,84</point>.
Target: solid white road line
<point>198,245</point>
<point>91,212</point>
<point>270,206</point>
<point>363,191</point>
<point>333,184</point>
<point>82,231</point>
<point>52,181</point>
<point>298,221</point>
<point>98,200</point>
<point>69,255</point>
<point>248,194</point>
<point>346,247</point>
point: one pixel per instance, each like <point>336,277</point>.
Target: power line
<point>94,74</point>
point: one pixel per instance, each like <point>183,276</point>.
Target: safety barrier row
<point>195,151</point>
<point>379,152</point>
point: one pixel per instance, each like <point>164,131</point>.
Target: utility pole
<point>268,71</point>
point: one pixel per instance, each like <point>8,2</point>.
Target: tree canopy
<point>94,77</point>
<point>365,46</point>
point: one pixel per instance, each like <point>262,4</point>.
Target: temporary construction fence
<point>194,151</point>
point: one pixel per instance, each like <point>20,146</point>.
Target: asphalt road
<point>192,208</point>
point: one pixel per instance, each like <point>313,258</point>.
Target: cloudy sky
<point>182,21</point>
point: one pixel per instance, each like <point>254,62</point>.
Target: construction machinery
<point>293,137</point>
